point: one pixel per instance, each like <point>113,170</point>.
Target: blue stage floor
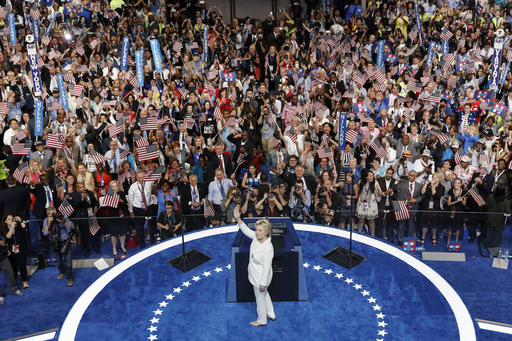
<point>382,298</point>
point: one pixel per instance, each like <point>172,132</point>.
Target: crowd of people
<point>145,118</point>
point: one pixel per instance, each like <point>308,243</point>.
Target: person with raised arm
<point>260,266</point>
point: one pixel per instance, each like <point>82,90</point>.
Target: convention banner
<point>139,64</point>
<point>446,48</point>
<point>38,119</point>
<point>34,68</point>
<point>418,21</point>
<point>124,53</point>
<point>205,44</point>
<point>12,28</point>
<point>35,28</point>
<point>504,74</point>
<point>63,97</point>
<point>495,73</point>
<point>342,130</point>
<point>431,52</point>
<point>380,53</point>
<point>52,23</point>
<point>157,54</point>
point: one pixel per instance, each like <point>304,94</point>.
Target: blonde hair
<point>265,223</point>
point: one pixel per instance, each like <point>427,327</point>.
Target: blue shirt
<point>64,230</point>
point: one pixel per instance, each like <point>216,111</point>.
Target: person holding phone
<point>260,265</point>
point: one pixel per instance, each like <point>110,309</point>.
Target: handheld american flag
<point>208,209</point>
<point>292,136</point>
<point>148,152</point>
<point>97,157</point>
<point>149,123</point>
<point>20,135</point>
<point>116,128</point>
<point>378,148</point>
<point>21,148</point>
<point>442,137</point>
<point>401,210</point>
<point>66,208</point>
<point>140,141</point>
<point>77,90</point>
<point>473,193</point>
<point>20,173</point>
<point>111,198</point>
<point>154,174</point>
<point>55,141</point>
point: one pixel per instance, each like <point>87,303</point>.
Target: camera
<point>265,112</point>
<point>271,195</point>
<point>236,196</point>
<point>252,195</point>
<point>321,190</point>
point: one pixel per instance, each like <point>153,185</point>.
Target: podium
<point>288,278</point>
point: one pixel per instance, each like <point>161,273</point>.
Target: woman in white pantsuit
<point>260,266</point>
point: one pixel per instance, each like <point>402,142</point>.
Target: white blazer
<point>260,258</point>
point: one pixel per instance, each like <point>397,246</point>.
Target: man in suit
<point>14,200</point>
<point>244,148</point>
<point>277,156</point>
<point>70,152</point>
<point>405,144</point>
<point>46,197</point>
<point>42,155</point>
<point>410,191</point>
<point>192,196</point>
<point>218,159</point>
<point>386,222</point>
<point>291,179</point>
<point>483,183</point>
<point>84,202</point>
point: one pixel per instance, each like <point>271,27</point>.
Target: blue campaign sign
<point>63,98</point>
<point>34,68</point>
<point>12,28</point>
<point>157,54</point>
<point>139,64</point>
<point>38,119</point>
<point>124,53</point>
<point>454,246</point>
<point>342,130</point>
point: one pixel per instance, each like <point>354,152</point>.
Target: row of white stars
<point>158,312</point>
<point>371,300</point>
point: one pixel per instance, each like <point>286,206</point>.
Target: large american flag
<point>140,141</point>
<point>378,148</point>
<point>19,173</point>
<point>401,210</point>
<point>21,148</point>
<point>66,208</point>
<point>111,198</point>
<point>148,152</point>
<point>473,193</point>
<point>55,141</point>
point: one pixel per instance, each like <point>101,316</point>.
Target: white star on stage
<point>152,329</point>
<point>207,273</point>
<point>376,307</point>
<point>379,339</point>
<point>196,278</point>
<point>178,290</point>
<point>169,297</point>
<point>154,320</point>
<point>218,269</point>
<point>338,276</point>
<point>306,265</point>
<point>380,315</point>
<point>328,271</point>
<point>152,337</point>
<point>228,266</point>
<point>365,293</point>
<point>317,267</point>
<point>186,284</point>
<point>157,312</point>
<point>358,286</point>
<point>383,332</point>
<point>372,300</point>
<point>349,280</point>
<point>163,304</point>
<point>382,324</point>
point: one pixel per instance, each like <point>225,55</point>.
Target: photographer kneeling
<point>61,231</point>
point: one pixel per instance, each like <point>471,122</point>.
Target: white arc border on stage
<point>463,318</point>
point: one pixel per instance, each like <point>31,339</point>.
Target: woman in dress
<point>432,192</point>
<point>260,266</point>
<point>126,178</point>
<point>251,178</point>
<point>115,222</point>
<point>369,194</point>
<point>456,204</point>
<point>349,193</point>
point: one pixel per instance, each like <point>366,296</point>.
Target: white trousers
<point>264,305</point>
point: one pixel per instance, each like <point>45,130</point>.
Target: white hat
<point>465,158</point>
<point>426,152</point>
